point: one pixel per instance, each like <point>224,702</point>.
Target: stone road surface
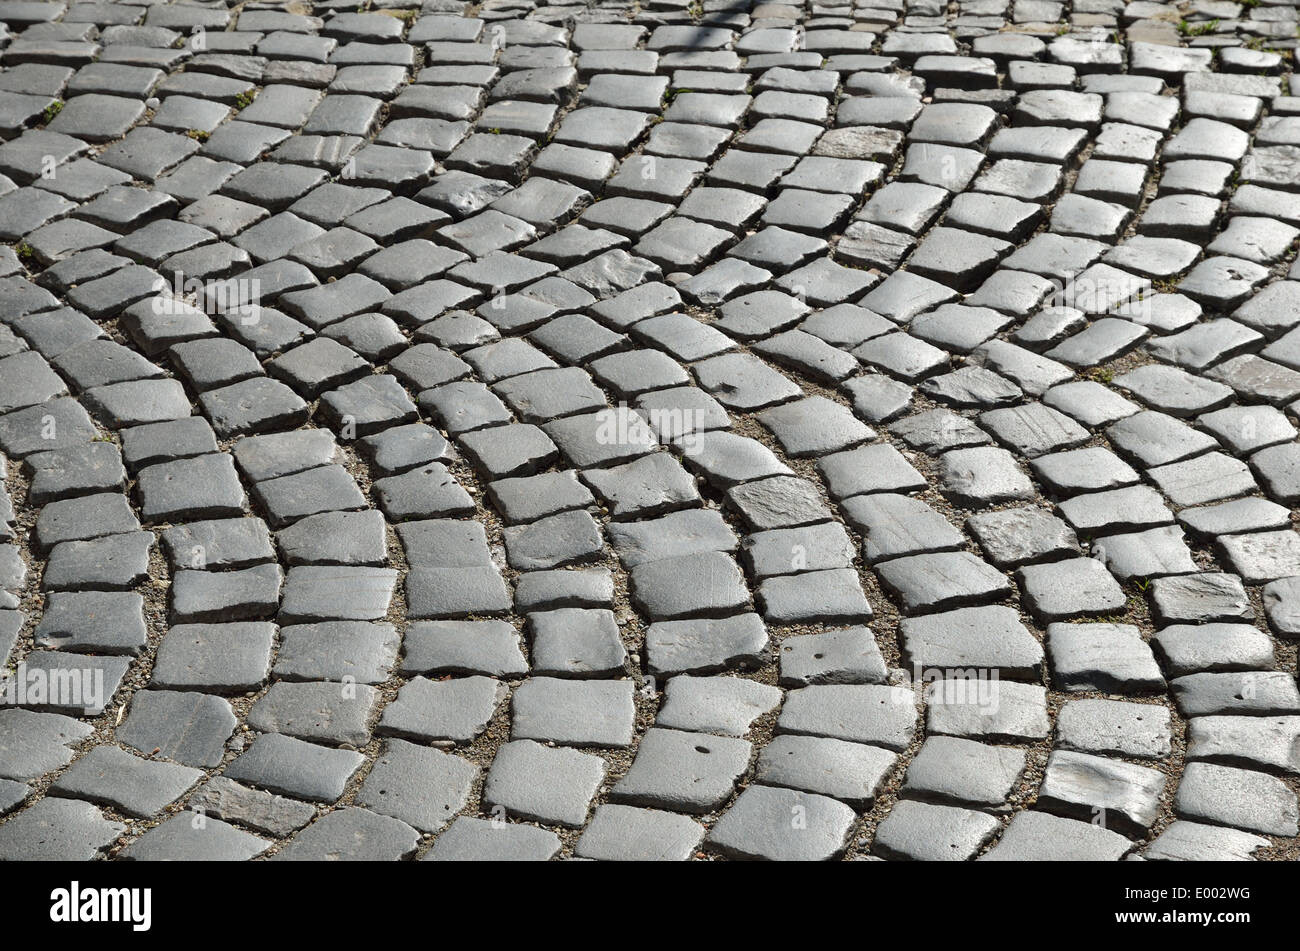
<point>649,430</point>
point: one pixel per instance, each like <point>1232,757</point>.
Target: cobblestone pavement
<point>663,430</point>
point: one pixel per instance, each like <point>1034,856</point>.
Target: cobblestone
<point>631,432</point>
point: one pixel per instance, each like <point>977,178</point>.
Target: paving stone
<point>564,798</point>
<point>967,386</point>
<point>760,825</point>
<point>1256,692</point>
<point>323,712</point>
<point>188,728</point>
<point>850,772</point>
<point>1279,605</point>
<point>29,380</point>
<point>869,469</point>
<point>352,834</point>
<point>292,767</point>
<point>113,562</point>
<point>578,587</point>
<point>1276,469</point>
<point>779,502</point>
<point>86,517</point>
<point>576,642</point>
<point>951,771</point>
<point>606,437</point>
<point>463,647</point>
<point>32,744</point>
<point>1033,429</point>
<point>168,490</point>
<point>938,430</point>
<point>1223,795</point>
<point>1157,551</point>
<point>134,786</point>
<point>83,684</point>
<point>705,645</point>
<point>880,715</point>
<point>1200,598</point>
<point>335,538</point>
<point>58,830</point>
<point>253,406</point>
<point>427,491</point>
<point>627,833</point>
<point>272,456</point>
<point>925,832</point>
<point>1129,509</point>
<point>528,498</point>
<point>1110,657</point>
<point>191,836</point>
<point>470,839</point>
<point>932,582</point>
<point>201,595</point>
<point>1215,340</point>
<point>650,486</point>
<point>990,638</point>
<point>983,476</point>
<point>661,589</point>
<point>221,658</point>
<point>574,713</point>
<point>723,705</point>
<point>455,592</point>
<point>725,459</point>
<point>1174,391</point>
<point>992,710</point>
<point>1206,478</point>
<point>96,117</point>
<point>795,550</point>
<point>1260,557</point>
<point>1114,728</point>
<point>1253,742</point>
<point>108,622</point>
<point>341,651</point>
<point>553,541</point>
<point>896,525</point>
<point>1039,836</point>
<point>1192,841</point>
<point>1116,795</point>
<point>422,787</point>
<point>1013,537</point>
<point>456,710</point>
<point>1188,648</point>
<point>1245,429</point>
<point>1076,587</point>
<point>136,402</point>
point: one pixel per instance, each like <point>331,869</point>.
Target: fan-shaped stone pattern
<point>614,389</point>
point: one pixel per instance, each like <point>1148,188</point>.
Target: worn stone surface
<point>605,431</point>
